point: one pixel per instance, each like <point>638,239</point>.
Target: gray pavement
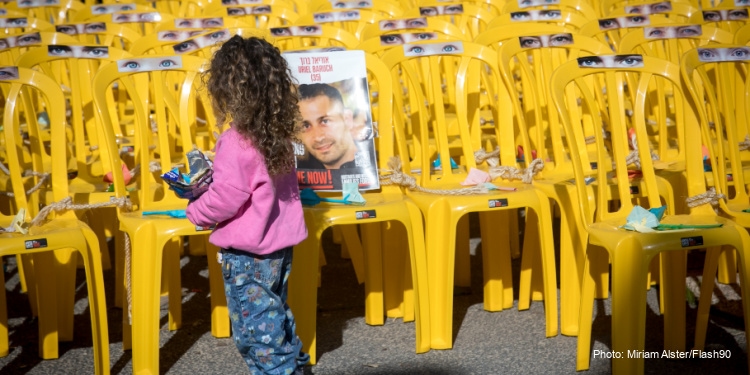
<point>510,341</point>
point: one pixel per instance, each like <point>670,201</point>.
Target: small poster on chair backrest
<point>336,133</point>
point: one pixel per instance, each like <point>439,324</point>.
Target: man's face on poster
<point>326,131</point>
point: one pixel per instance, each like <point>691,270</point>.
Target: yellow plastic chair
<point>63,231</point>
<point>714,87</point>
<point>389,205</point>
<point>262,16</point>
<point>56,13</point>
<point>631,252</point>
<point>681,11</point>
<point>403,25</point>
<point>431,137</point>
<point>612,28</point>
<point>471,20</point>
<point>156,44</point>
<point>724,16</point>
<point>217,7</point>
<point>351,20</point>
<point>100,33</point>
<point>543,135</point>
<point>570,19</point>
<point>174,123</point>
<point>583,7</point>
<point>15,25</point>
<point>142,21</point>
<point>26,40</point>
<point>96,10</point>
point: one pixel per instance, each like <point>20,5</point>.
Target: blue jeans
<point>263,326</point>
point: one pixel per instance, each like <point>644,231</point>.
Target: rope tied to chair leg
<point>513,173</point>
<point>745,145</point>
<point>492,158</point>
<point>711,197</point>
<point>43,177</point>
<point>394,176</point>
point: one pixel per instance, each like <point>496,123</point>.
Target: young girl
<point>254,200</point>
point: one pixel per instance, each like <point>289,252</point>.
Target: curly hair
<point>250,85</point>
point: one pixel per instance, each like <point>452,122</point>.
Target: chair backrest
<point>30,92</point>
<point>100,33</point>
<point>727,17</point>
<point>72,65</point>
<point>583,7</point>
<point>163,133</point>
<point>496,36</point>
<point>716,78</point>
<point>613,171</point>
<point>471,19</point>
<point>14,45</point>
<point>96,10</point>
<point>533,58</point>
<point>446,85</point>
<point>611,29</point>
<point>413,25</point>
<point>378,45</point>
<point>742,35</point>
<point>674,10</point>
<point>557,16</point>
<point>386,8</point>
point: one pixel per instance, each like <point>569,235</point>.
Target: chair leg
<point>27,262</point>
<point>220,325</point>
<point>462,270</point>
<point>585,316</point>
<point>727,268</point>
<point>21,274</point>
<point>674,272</point>
<point>374,311</point>
<point>710,265</point>
<point>65,275</point>
<point>496,261</point>
<point>394,282</point>
<point>351,238</point>
<point>3,316</point>
<point>119,239</point>
<point>145,280</point>
<point>97,305</point>
<point>173,278</point>
<point>47,292</point>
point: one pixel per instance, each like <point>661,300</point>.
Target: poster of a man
<point>335,133</point>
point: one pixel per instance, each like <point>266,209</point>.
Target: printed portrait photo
<point>87,52</point>
<point>667,32</point>
<point>623,22</point>
<point>310,30</point>
<point>398,39</point>
<point>14,22</point>
<point>177,35</point>
<point>8,73</point>
<point>135,17</point>
<point>536,15</point>
<point>552,40</point>
<point>344,15</point>
<point>440,10</point>
<point>725,15</point>
<point>536,3</point>
<point>21,40</point>
<point>202,41</point>
<point>652,8</point>
<point>112,8</point>
<point>198,23</point>
<point>36,3</point>
<point>424,49</point>
<point>724,54</point>
<point>361,4</point>
<point>81,28</point>
<point>258,9</point>
<point>147,64</point>
<point>611,61</point>
<point>238,2</point>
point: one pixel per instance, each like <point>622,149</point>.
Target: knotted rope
<point>394,176</point>
<point>43,177</point>
<point>745,145</point>
<point>710,197</point>
<point>492,158</point>
<point>513,173</point>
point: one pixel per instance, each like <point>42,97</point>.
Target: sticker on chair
<point>650,8</point>
<point>440,10</point>
<point>86,52</point>
<point>670,32</point>
<point>202,41</point>
<point>136,17</point>
<point>365,214</point>
<point>536,15</point>
<point>22,40</point>
<point>309,30</point>
<point>536,3</point>
<point>739,53</point>
<point>398,39</point>
<point>108,9</point>
<point>149,64</point>
<point>405,23</point>
<point>691,241</point>
<point>81,28</point>
<point>496,203</point>
<point>177,35</point>
<point>35,244</point>
<point>22,4</point>
<point>551,40</point>
<point>344,15</point>
<point>198,23</point>
<point>8,73</point>
<point>422,49</point>
<point>247,11</point>
<point>360,4</point>
<point>717,15</point>
<point>611,61</point>
<point>14,22</point>
<point>336,141</point>
<point>624,22</point>
<point>740,3</point>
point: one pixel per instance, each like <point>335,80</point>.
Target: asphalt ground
<point>506,342</point>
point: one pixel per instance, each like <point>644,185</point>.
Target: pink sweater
<point>253,211</point>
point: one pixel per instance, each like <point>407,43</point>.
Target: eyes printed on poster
<point>611,61</point>
<point>552,40</point>
<point>441,10</point>
<point>14,22</point>
<point>149,64</point>
<point>21,40</point>
<point>311,30</point>
<point>238,2</point>
<point>536,3</point>
<point>406,23</point>
<point>3,12</point>
<point>260,9</point>
<point>325,49</point>
<point>724,54</point>
<point>36,3</point>
<point>623,22</point>
<point>135,17</point>
<point>198,23</point>
<point>8,73</point>
<point>88,52</point>
<point>398,39</point>
<point>345,15</point>
<point>202,41</point>
<point>536,15</point>
<point>415,49</point>
<point>361,4</point>
<point>669,32</point>
<point>81,28</point>
<point>725,15</point>
<point>739,3</point>
<point>652,8</point>
<point>107,9</point>
<point>177,35</point>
